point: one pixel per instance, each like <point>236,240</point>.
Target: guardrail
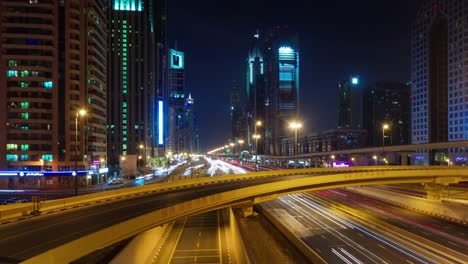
<point>105,237</point>
<point>19,210</point>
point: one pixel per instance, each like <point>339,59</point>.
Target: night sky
<point>337,38</point>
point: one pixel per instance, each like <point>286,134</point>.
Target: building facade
<point>439,72</point>
<point>281,87</point>
<point>236,115</point>
<point>176,102</point>
<point>133,83</point>
<point>387,103</point>
<point>350,103</point>
<point>53,64</point>
<point>326,141</point>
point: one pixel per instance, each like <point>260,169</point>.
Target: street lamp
<point>257,124</point>
<point>384,127</point>
<point>386,161</point>
<point>295,125</point>
<point>375,159</point>
<point>240,141</point>
<point>79,113</point>
<point>256,137</point>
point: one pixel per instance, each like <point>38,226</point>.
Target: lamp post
<point>375,159</point>
<point>295,125</point>
<point>241,142</point>
<point>256,137</point>
<point>384,127</point>
<point>79,113</point>
<point>257,124</point>
<point>333,159</point>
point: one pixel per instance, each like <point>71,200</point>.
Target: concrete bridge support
<point>404,158</point>
<point>434,191</point>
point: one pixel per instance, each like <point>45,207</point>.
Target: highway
<point>26,238</point>
<point>197,239</point>
<point>382,233</point>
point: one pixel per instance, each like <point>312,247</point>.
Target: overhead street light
<point>79,113</point>
<point>295,125</point>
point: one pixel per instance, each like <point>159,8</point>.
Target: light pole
<point>295,125</point>
<point>79,113</point>
<point>375,159</point>
<point>241,142</point>
<point>257,124</point>
<point>384,127</point>
<point>256,137</point>
<point>333,159</point>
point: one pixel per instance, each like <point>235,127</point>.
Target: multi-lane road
<point>343,227</point>
<point>198,239</point>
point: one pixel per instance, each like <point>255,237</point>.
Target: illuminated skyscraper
<point>52,63</point>
<point>176,102</point>
<point>134,90</point>
<point>350,103</point>
<point>438,78</point>
<point>236,114</point>
<point>281,69</point>
<point>255,92</point>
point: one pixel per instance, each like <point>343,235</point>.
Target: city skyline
<point>354,44</point>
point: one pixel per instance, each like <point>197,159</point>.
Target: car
<point>118,181</point>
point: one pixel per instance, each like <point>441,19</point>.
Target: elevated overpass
<point>61,237</point>
<point>410,148</point>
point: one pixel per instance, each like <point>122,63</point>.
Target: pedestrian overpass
<point>244,196</point>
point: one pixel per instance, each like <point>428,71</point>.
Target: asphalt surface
<point>197,239</point>
<point>338,239</point>
<point>27,238</point>
<point>448,234</point>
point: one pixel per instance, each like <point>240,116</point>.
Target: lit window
<point>12,146</point>
<point>12,63</point>
<point>12,73</point>
<point>24,104</point>
<point>25,147</point>
<point>24,157</point>
<point>24,84</point>
<point>25,115</point>
<point>48,84</point>
<point>24,73</point>
<point>11,157</point>
<point>47,157</point>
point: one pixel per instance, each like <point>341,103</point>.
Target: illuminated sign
<point>103,170</point>
<point>177,59</point>
<point>342,164</point>
<point>160,123</point>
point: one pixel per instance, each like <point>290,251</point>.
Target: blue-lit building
<point>135,80</point>
<point>281,70</point>
<point>175,141</point>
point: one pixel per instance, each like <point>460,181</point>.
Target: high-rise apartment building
<point>133,80</point>
<point>387,103</point>
<point>255,94</point>
<point>52,64</point>
<point>350,103</point>
<point>439,71</point>
<point>281,70</point>
<point>236,115</point>
<point>176,102</point>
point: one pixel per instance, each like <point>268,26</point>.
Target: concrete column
<point>247,210</point>
<point>434,191</point>
<point>404,158</point>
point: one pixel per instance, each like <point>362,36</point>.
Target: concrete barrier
<point>311,255</point>
<point>238,245</point>
<point>449,210</point>
<point>142,248</point>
